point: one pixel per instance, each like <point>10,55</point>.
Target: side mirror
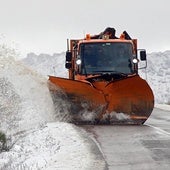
<point>68,56</point>
<point>143,55</point>
<point>68,65</point>
<point>143,59</point>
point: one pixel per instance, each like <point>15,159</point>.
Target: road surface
<point>132,147</point>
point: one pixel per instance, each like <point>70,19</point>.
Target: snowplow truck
<point>104,85</point>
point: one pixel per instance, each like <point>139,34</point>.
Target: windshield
<point>106,57</point>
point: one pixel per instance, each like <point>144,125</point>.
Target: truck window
<point>106,57</point>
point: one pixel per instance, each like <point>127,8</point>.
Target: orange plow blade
<point>129,100</point>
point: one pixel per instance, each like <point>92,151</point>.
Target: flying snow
<point>36,137</point>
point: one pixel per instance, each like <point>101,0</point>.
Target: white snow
<point>163,106</point>
<point>158,76</point>
<point>53,146</point>
<point>36,137</point>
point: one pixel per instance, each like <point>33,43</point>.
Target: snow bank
<point>55,146</point>
<point>36,140</point>
<point>163,106</point>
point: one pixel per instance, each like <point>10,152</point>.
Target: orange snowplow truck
<point>104,81</point>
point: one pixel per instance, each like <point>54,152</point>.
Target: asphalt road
<point>133,147</point>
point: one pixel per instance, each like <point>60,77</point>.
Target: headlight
<point>78,61</point>
<point>135,60</point>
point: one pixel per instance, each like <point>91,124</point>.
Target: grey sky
<point>44,25</point>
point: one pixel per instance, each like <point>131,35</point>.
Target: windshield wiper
<point>111,72</point>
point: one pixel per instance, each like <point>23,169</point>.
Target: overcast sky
<point>42,26</point>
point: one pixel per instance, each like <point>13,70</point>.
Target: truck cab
<point>92,57</point>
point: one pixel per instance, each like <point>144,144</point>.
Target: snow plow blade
<point>128,100</point>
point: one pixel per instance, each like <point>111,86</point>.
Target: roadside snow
<point>163,106</point>
<point>36,139</point>
<point>58,146</point>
